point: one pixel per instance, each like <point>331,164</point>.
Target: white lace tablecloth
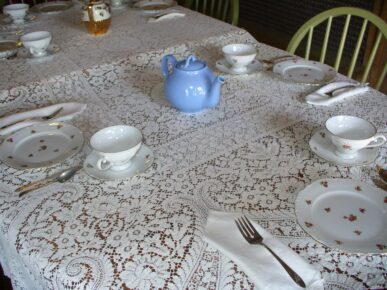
<point>250,154</point>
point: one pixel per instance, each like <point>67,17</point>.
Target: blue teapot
<point>190,85</point>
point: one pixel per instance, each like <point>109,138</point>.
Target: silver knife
<point>61,176</point>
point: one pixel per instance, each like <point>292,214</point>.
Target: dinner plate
<point>154,6</point>
<point>345,214</point>
<point>321,145</point>
<point>140,163</point>
<point>54,7</point>
<point>41,145</point>
<point>304,71</point>
<point>8,48</point>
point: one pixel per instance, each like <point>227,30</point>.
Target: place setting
<point>117,153</point>
<point>37,46</point>
<point>41,138</point>
<point>239,59</point>
<point>347,140</point>
<point>33,47</point>
<point>16,15</point>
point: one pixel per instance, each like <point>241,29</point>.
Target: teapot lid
<point>191,64</point>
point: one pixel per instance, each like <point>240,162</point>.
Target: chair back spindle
<point>225,10</point>
<point>307,30</point>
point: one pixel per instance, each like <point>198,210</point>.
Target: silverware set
<point>251,235</point>
<point>61,177</point>
<point>42,119</point>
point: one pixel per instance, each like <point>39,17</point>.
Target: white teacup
<point>239,56</point>
<point>37,42</point>
<point>17,12</point>
<point>350,134</point>
<point>116,146</point>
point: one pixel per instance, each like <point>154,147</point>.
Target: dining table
<point>248,155</point>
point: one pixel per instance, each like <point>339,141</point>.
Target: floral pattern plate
<point>140,162</point>
<point>8,48</point>
<point>321,145</point>
<point>54,7</point>
<point>154,6</point>
<point>304,71</point>
<point>41,145</point>
<point>345,214</point>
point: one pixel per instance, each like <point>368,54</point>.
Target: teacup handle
<point>103,164</point>
<point>167,62</point>
<point>379,142</point>
<point>32,51</point>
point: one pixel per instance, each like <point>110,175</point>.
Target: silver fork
<point>252,236</point>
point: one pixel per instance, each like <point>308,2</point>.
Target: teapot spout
<point>214,96</point>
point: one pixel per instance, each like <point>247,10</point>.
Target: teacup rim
<point>354,117</point>
<point>13,6</point>
<point>253,47</point>
<point>114,126</point>
<point>29,34</point>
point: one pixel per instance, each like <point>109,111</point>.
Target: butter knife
<point>61,176</point>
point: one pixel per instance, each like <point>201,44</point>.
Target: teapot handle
<point>91,13</point>
<point>166,62</point>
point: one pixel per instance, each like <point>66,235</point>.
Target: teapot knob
<point>190,59</point>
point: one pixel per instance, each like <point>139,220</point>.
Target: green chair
<point>225,10</point>
<point>347,13</point>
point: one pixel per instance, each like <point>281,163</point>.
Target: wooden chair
<point>368,20</point>
<point>225,10</point>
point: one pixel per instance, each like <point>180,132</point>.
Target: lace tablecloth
<point>250,154</point>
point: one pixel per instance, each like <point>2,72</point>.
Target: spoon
<point>61,177</point>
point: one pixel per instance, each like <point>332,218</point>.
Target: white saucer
<point>321,145</point>
<point>225,67</point>
<point>140,162</point>
<point>51,50</point>
<point>41,145</point>
<point>6,20</point>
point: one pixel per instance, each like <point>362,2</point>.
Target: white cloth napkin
<point>70,110</point>
<point>340,91</point>
<point>169,15</point>
<point>257,262</point>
